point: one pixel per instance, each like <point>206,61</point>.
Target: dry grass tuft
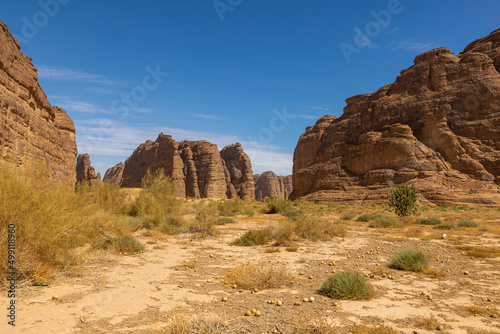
<point>373,330</point>
<point>427,323</point>
<point>491,312</point>
<point>262,275</point>
<point>480,251</point>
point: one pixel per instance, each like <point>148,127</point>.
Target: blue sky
<point>256,72</point>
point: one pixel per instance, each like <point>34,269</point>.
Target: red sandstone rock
<point>84,171</point>
<point>31,130</point>
<point>269,184</point>
<point>437,126</point>
<point>114,174</point>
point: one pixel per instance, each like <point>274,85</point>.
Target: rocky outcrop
<point>437,126</point>
<point>269,184</point>
<point>240,182</point>
<point>197,168</point>
<point>114,174</point>
<point>31,130</point>
<point>84,170</point>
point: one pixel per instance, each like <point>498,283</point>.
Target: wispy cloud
<point>412,45</point>
<point>320,106</point>
<point>65,74</point>
<point>209,117</point>
<point>309,117</point>
<point>104,138</point>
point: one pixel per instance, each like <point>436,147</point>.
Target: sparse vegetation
<point>347,216</point>
<point>430,221</point>
<point>373,330</point>
<point>382,221</point>
<point>254,238</point>
<point>491,312</point>
<point>446,226</point>
<point>409,260</point>
<point>365,218</point>
<point>225,221</point>
<point>261,275</point>
<point>467,223</point>
<point>51,219</point>
<point>122,243</point>
<point>403,200</point>
<point>277,205</point>
<point>347,285</point>
<point>309,227</point>
<point>157,199</point>
<point>230,208</point>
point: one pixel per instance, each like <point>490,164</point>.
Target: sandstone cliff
<point>31,130</point>
<point>437,126</point>
<point>269,184</point>
<point>197,168</point>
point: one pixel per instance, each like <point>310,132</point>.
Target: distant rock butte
<point>269,184</point>
<point>437,126</point>
<point>84,170</point>
<point>31,130</point>
<point>197,168</point>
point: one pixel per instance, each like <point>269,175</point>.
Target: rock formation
<point>269,184</point>
<point>437,126</point>
<point>197,168</point>
<point>84,171</point>
<point>31,130</point>
<point>114,174</point>
<point>240,182</point>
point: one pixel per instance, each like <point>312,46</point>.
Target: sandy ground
<point>176,277</point>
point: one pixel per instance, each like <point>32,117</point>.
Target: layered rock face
<point>437,126</point>
<point>269,184</point>
<point>197,168</point>
<point>84,170</point>
<point>241,181</point>
<point>114,174</point>
<point>31,130</point>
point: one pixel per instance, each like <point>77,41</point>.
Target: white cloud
<point>204,116</point>
<point>104,138</point>
<point>412,45</point>
<point>65,74</point>
<point>310,117</point>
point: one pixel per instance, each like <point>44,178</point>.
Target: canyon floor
<point>179,283</point>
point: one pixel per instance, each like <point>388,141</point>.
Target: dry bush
<point>262,275</point>
<point>315,327</point>
<point>480,251</point>
<point>308,227</point>
<point>205,222</point>
<point>254,238</point>
<point>434,272</point>
<point>273,250</point>
<point>50,218</point>
<point>230,208</point>
<point>382,221</point>
<point>373,330</point>
<point>158,198</point>
<point>492,312</point>
<point>427,323</point>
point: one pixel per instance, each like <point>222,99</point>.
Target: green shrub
<point>172,225</point>
<point>364,218</point>
<point>403,200</point>
<point>157,199</point>
<point>347,216</point>
<point>430,221</point>
<point>122,243</point>
<point>205,221</point>
<point>230,208</point>
<point>385,222</point>
<point>277,205</point>
<point>293,213</point>
<point>409,260</point>
<point>467,223</point>
<point>254,238</point>
<point>347,285</point>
